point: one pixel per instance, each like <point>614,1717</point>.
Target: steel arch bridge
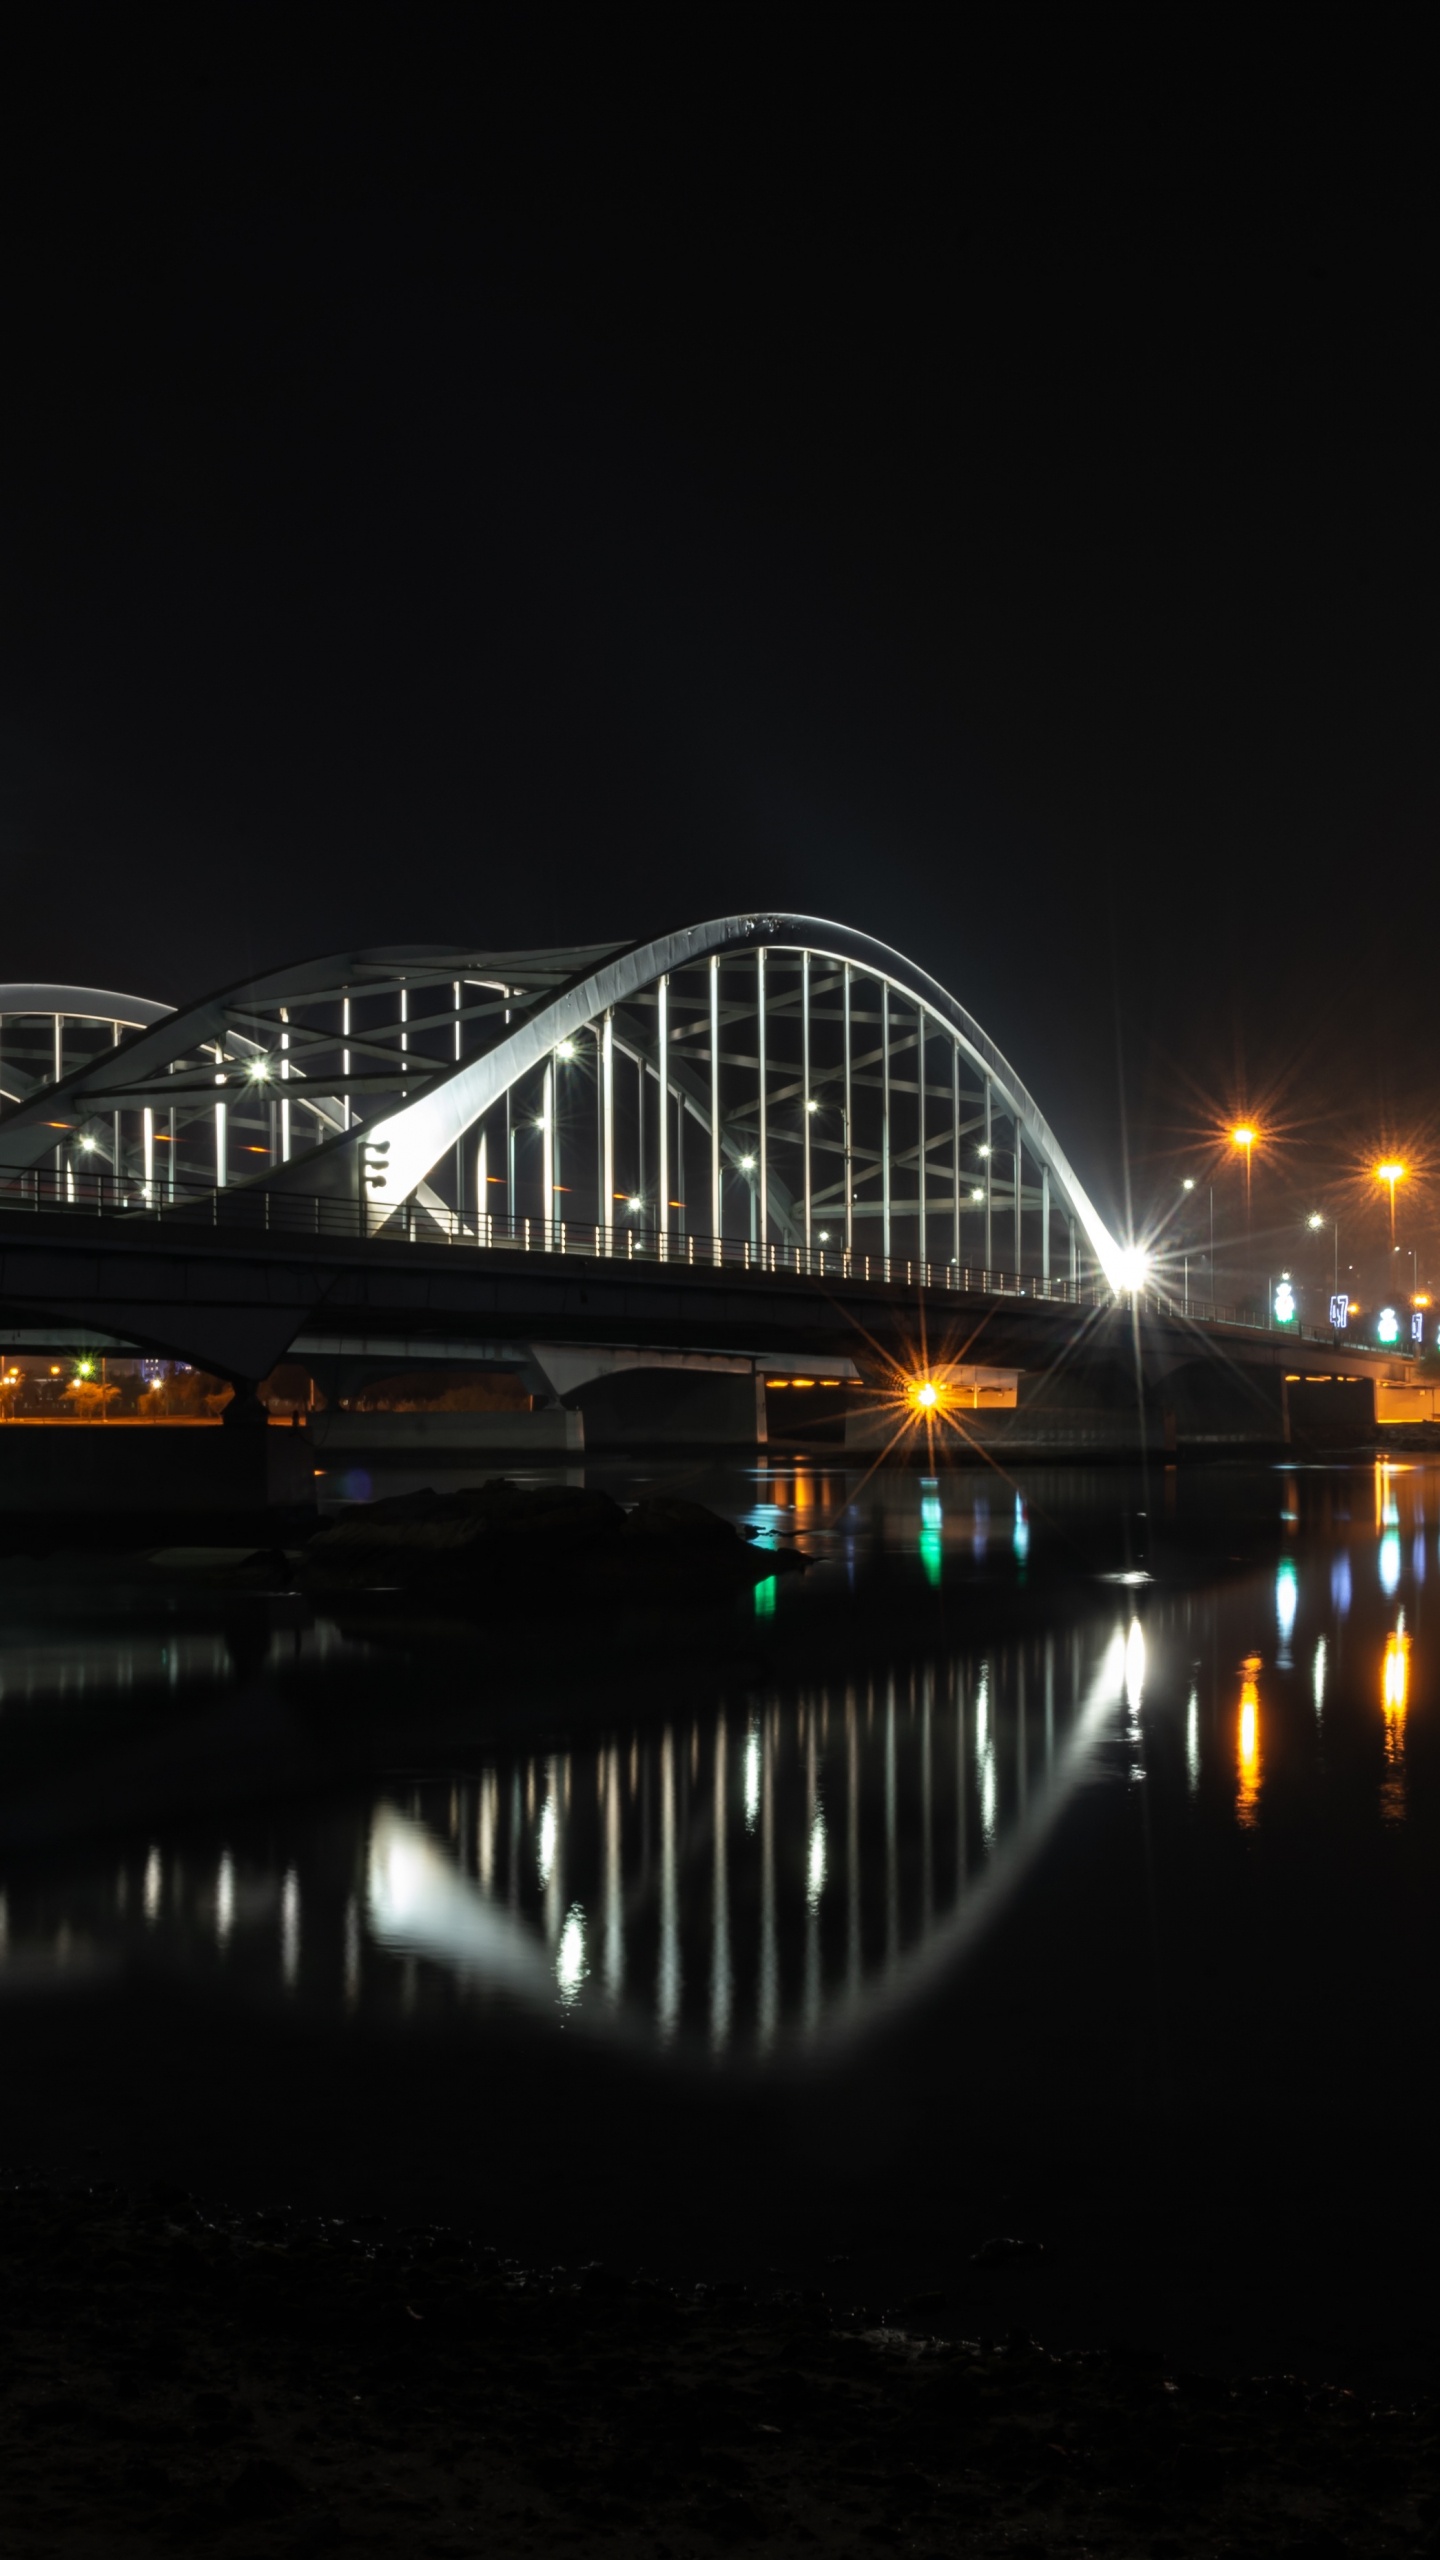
<point>768,1081</point>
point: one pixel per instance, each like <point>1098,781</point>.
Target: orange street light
<point>1244,1137</point>
<point>1391,1173</point>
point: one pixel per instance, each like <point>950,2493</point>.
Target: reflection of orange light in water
<point>1394,1699</point>
<point>1387,1509</point>
<point>1248,1741</point>
<point>1395,1688</point>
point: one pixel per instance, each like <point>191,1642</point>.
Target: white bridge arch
<point>776,1080</point>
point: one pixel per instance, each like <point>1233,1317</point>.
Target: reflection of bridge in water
<point>741,1882</point>
<point>786,1874</point>
<point>782,1872</point>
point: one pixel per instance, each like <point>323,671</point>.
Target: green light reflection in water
<point>931,1518</point>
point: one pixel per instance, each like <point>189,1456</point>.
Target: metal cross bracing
<point>774,1090</point>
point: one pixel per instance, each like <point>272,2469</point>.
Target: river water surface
<point>1054,1862</point>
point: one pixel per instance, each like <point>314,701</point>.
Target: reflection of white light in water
<point>667,2005</point>
<point>768,2003</point>
<point>815,1868</point>
<point>417,1900</point>
<point>352,1952</point>
<point>545,1846</point>
<point>1417,1557</point>
<point>1318,1677</point>
<point>720,1982</point>
<point>1134,1696</point>
<point>1192,1738</point>
<point>485,1831</point>
<point>290,1929</point>
<point>1340,1586</point>
<point>752,1777</point>
<point>1390,1563</point>
<point>570,1964</point>
<point>1020,1538</point>
<point>985,1754</point>
<point>1287,1598</point>
<point>1112,1676</point>
<point>614,1895</point>
<point>152,1886</point>
<point>225,1898</point>
<point>981,1529</point>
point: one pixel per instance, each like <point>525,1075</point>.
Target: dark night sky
<point>516,476</point>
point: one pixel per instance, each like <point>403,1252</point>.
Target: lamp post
<point>814,1105</point>
<point>1315,1221</point>
<point>1190,1184</point>
<point>1390,1173</point>
<point>747,1167</point>
<point>1187,1185</point>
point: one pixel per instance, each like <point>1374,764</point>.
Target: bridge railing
<point>297,1214</point>
<point>301,1214</point>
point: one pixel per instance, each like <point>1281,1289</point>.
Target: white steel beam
<point>885,1119</point>
<point>547,1153</point>
<point>607,1129</point>
<point>715,1101</point>
<point>805,1112</point>
<point>662,1060</point>
<point>764,1164</point>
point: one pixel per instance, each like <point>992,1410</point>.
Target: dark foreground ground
<point>174,2376</point>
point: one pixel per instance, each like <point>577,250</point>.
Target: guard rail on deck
<point>307,1214</point>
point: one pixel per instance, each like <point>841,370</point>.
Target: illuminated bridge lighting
<point>740,1066</point>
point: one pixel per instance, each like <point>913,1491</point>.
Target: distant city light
<point>566,1049</point>
<point>747,1165</point>
<point>978,1191</point>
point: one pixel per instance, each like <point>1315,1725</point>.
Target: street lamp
<point>814,1105</point>
<point>1391,1173</point>
<point>1189,1184</point>
<point>747,1166</point>
<point>1314,1222</point>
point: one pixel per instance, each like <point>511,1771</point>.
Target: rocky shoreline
<point>177,2375</point>
<point>481,1542</point>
